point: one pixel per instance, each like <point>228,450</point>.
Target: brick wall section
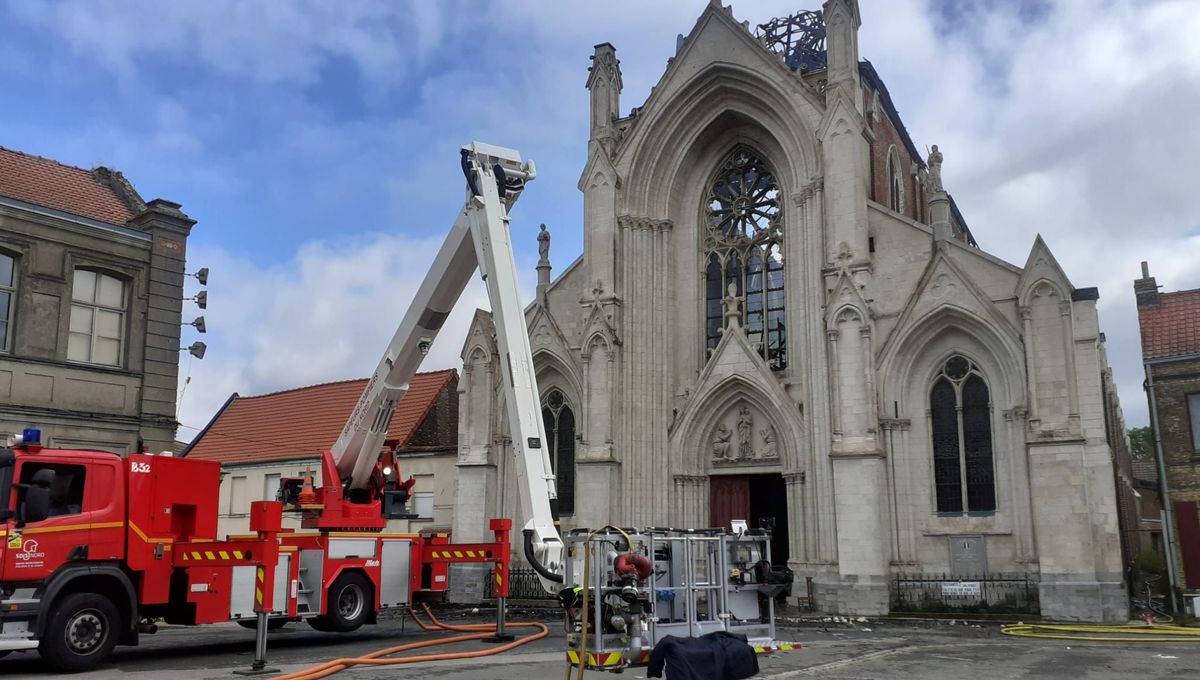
<point>886,136</point>
<point>440,427</point>
<point>1172,383</point>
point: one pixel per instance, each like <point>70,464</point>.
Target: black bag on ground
<point>715,656</point>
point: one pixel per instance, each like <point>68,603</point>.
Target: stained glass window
<point>744,249</point>
<point>559,420</point>
<point>960,419</point>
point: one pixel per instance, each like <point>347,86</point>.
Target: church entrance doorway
<point>761,500</point>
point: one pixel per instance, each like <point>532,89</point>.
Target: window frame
<point>95,307</point>
<point>78,482</point>
<point>553,439</point>
<point>752,262</point>
<point>895,180</point>
<point>12,290</point>
<point>419,496</point>
<point>1192,403</point>
<point>959,387</point>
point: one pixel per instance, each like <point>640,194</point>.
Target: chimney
<point>1145,289</point>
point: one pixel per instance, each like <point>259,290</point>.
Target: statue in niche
<point>745,426</point>
<point>769,450</point>
<point>720,442</point>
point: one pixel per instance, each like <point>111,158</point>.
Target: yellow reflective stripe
<point>261,574</point>
<point>209,555</point>
<point>457,553</point>
<point>237,554</point>
<point>224,555</point>
<point>258,595</point>
<point>196,556</point>
<point>52,530</point>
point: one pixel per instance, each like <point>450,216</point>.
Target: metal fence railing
<point>523,584</point>
<point>984,593</point>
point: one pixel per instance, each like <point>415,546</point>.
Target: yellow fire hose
<point>1085,633</point>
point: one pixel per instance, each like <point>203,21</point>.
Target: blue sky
<point>316,143</point>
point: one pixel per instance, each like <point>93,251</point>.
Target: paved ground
<point>873,650</point>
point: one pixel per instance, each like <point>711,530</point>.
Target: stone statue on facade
<point>769,449</point>
<point>935,169</point>
<point>732,306</point>
<point>543,239</point>
<point>720,442</point>
<point>745,426</point>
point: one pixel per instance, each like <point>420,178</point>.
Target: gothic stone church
<point>781,316</point>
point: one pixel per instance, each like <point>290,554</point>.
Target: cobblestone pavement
<point>864,651</point>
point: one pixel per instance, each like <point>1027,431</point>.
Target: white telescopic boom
<point>479,239</point>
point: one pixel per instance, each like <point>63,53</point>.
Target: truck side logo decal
<point>29,556</point>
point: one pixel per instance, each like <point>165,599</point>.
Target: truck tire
<point>81,633</point>
<point>348,605</point>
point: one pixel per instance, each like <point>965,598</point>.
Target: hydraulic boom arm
<point>479,238</point>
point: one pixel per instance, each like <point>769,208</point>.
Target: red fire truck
<point>95,547</point>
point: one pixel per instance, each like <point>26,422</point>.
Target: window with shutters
<point>960,416</point>
<point>559,420</point>
<point>743,244</point>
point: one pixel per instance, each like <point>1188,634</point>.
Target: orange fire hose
<point>374,658</point>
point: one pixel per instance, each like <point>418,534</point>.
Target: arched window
<point>743,244</point>
<point>895,180</point>
<point>560,435</point>
<point>960,415</point>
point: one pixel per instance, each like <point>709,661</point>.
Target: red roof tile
<point>51,184</point>
<point>1172,326</point>
<point>305,422</point>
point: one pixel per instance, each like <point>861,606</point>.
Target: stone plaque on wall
<point>968,555</point>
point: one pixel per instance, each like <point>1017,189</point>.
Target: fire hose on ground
<point>1085,633</point>
<point>377,658</point>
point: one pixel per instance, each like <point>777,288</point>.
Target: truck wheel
<point>81,633</point>
<point>348,606</point>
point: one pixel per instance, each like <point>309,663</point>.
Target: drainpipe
<point>1168,513</point>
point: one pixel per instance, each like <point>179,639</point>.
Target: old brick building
<point>91,294</point>
<point>1170,329</point>
<point>260,439</point>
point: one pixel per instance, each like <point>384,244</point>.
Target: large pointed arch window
<point>559,420</point>
<point>743,243</point>
<point>960,417</point>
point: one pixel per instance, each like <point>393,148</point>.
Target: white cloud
<point>1073,122</point>
<point>326,314</point>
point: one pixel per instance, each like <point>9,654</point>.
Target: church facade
<point>781,316</point>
